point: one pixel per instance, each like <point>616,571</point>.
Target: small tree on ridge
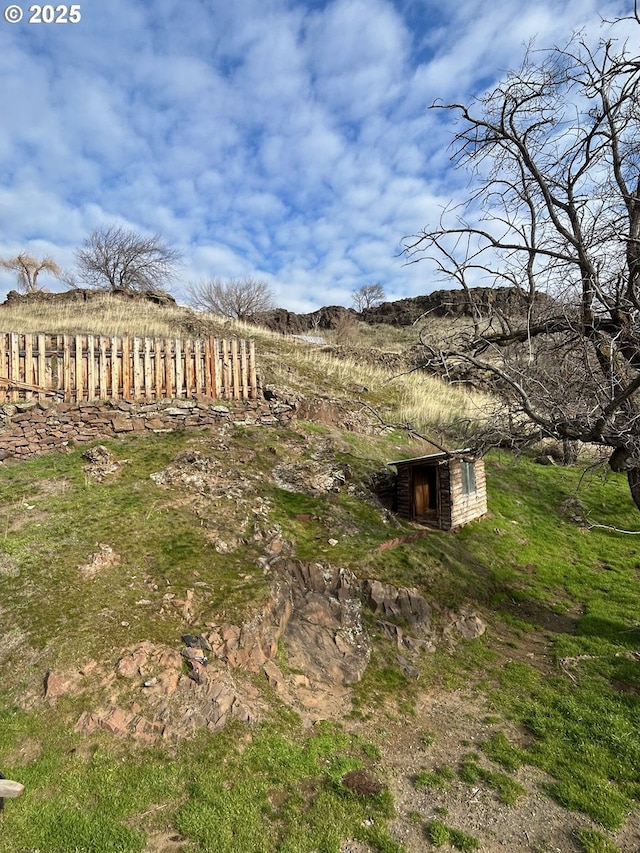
<point>239,299</point>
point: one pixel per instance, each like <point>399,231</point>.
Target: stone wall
<point>39,426</point>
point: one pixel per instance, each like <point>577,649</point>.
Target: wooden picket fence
<point>77,368</point>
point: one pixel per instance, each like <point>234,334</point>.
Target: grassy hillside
<point>526,739</point>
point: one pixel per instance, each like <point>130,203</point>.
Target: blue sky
<point>283,140</point>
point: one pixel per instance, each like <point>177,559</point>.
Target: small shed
<point>445,489</point>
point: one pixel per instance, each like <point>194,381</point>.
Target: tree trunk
<point>633,475</point>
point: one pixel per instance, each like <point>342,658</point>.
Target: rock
<point>127,667</point>
<point>467,623</point>
<point>59,684</point>
<point>401,603</point>
<point>195,673</point>
<point>545,459</point>
<point>191,654</point>
<point>102,559</point>
<point>194,641</point>
<point>275,678</point>
<point>101,463</point>
<point>325,639</point>
<point>408,668</point>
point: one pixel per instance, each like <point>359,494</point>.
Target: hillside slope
<point>221,640</point>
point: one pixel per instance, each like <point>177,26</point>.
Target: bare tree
<point>113,258</point>
<point>28,268</point>
<point>556,209</point>
<point>367,296</point>
<point>240,299</point>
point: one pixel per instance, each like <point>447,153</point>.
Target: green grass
<point>440,834</point>
<point>499,749</point>
<point>592,841</point>
<point>507,789</point>
<point>57,517</point>
<point>223,792</point>
<point>437,779</point>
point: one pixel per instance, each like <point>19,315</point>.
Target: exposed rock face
<point>325,637</point>
<point>481,301</point>
<point>403,603</point>
<point>315,612</point>
<point>158,297</point>
<point>486,301</point>
<point>290,323</point>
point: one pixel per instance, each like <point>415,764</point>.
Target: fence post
<point>252,370</point>
<point>14,365</point>
<point>41,379</point>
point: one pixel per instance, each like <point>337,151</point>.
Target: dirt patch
<point>447,727</point>
<point>542,616</point>
<point>166,842</point>
<point>28,752</point>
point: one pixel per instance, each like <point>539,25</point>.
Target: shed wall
<point>454,507</point>
<point>466,508</point>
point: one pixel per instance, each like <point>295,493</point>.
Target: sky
<point>281,140</point>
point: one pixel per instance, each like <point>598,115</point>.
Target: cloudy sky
<point>279,139</point>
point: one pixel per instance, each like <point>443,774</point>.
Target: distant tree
<point>27,270</point>
<point>114,258</point>
<point>555,156</point>
<point>237,298</point>
<point>367,296</point>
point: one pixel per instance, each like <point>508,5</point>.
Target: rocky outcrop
<point>290,323</point>
<point>478,301</point>
<point>314,614</point>
<point>481,301</point>
<point>78,294</point>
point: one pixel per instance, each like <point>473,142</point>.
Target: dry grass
<point>415,397</point>
<point>412,397</point>
<point>104,315</point>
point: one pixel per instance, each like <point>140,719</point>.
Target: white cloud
<point>286,139</point>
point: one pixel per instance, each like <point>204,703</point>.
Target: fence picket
<point>91,368</point>
<point>102,368</point>
<point>126,367</point>
<point>168,369</point>
<point>14,365</point>
<point>158,364</point>
<point>66,367</point>
<point>28,365</point>
<point>179,371</point>
<point>147,368</point>
<point>88,367</point>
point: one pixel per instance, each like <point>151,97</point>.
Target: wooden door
<point>425,491</point>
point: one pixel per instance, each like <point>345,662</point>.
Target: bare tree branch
<point>555,210</point>
<point>28,268</point>
<point>367,296</point>
<point>113,258</point>
<point>240,299</point>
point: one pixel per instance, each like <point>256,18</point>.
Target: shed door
<point>425,491</point>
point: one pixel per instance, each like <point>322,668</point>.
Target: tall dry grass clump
<point>413,397</point>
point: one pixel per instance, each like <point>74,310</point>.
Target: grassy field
<point>541,752</point>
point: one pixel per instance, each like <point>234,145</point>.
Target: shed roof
<point>432,457</point>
